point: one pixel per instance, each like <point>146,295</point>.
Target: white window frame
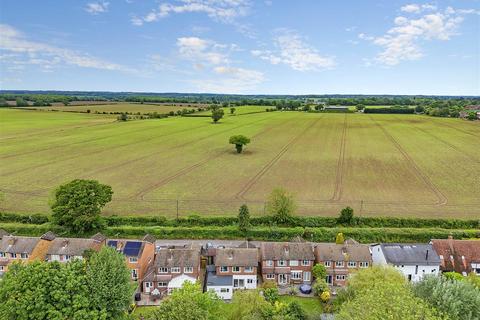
<point>13,255</point>
<point>269,263</point>
<point>24,255</point>
<point>132,259</point>
<point>270,276</point>
<point>248,269</point>
<point>2,255</point>
<point>364,264</point>
<point>162,270</point>
<point>327,264</point>
<point>282,263</point>
<point>307,276</point>
<point>223,269</point>
<point>293,263</point>
<point>162,284</point>
<point>224,290</point>
<point>339,264</point>
<point>296,275</point>
<point>134,274</point>
<point>305,263</point>
<point>188,270</point>
<point>238,283</point>
<point>175,270</point>
<point>352,264</point>
<point>249,281</point>
<point>236,269</point>
<point>340,277</point>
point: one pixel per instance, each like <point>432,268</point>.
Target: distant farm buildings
<point>469,109</point>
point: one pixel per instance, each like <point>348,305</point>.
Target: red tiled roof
<point>457,255</point>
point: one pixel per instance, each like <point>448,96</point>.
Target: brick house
<point>462,256</point>
<point>342,259</point>
<point>171,268</point>
<point>14,248</point>
<point>234,268</point>
<point>67,249</point>
<point>287,262</point>
<point>139,254</point>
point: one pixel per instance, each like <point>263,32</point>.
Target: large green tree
<point>108,279</point>
<point>281,205</point>
<point>239,141</point>
<point>188,303</point>
<point>244,218</point>
<point>78,203</point>
<point>217,114</point>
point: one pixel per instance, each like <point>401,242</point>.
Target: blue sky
<point>242,46</point>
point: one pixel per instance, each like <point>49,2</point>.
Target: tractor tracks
<point>441,198</point>
<point>240,195</point>
<point>337,194</point>
<point>141,194</point>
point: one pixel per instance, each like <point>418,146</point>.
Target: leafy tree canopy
<point>239,141</point>
<point>281,205</point>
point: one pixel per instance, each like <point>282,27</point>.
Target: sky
<point>242,46</point>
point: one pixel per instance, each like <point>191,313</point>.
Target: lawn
<point>396,165</point>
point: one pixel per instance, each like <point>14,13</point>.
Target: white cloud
<point>219,10</point>
<point>45,55</point>
<point>97,7</point>
<point>294,52</point>
<point>202,51</point>
<point>417,8</point>
<point>402,42</point>
<point>230,80</point>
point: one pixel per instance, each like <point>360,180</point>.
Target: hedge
<point>390,110</point>
<point>297,221</point>
<point>364,235</point>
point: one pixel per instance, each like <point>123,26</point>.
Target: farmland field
<point>120,107</point>
<point>396,165</point>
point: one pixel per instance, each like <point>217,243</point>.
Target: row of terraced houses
<point>160,266</point>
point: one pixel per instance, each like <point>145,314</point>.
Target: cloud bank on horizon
<point>242,46</point>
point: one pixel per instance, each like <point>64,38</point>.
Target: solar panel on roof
<point>132,248</point>
<point>112,243</point>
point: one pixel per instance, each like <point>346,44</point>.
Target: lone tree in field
<point>243,218</point>
<point>281,205</point>
<point>360,107</point>
<point>77,204</point>
<point>217,114</point>
<point>232,110</point>
<point>346,216</point>
<point>239,141</point>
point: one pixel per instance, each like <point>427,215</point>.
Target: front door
<point>148,287</point>
<point>282,279</point>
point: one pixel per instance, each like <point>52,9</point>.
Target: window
<point>338,263</point>
<point>340,277</point>
<point>238,283</point>
<point>2,255</point>
<point>134,274</point>
<point>282,263</point>
<point>132,260</point>
<point>307,276</point>
<point>224,290</point>
<point>270,276</point>
<point>352,264</point>
<point>162,270</point>
<point>269,263</point>
<point>433,270</point>
<point>441,256</point>
<point>296,275</point>
<point>24,255</point>
<point>364,264</point>
<point>2,268</point>
<point>188,270</point>
<point>293,263</point>
<point>162,284</point>
<point>13,255</point>
<point>327,263</point>
<point>305,263</point>
<point>249,281</point>
<point>223,269</point>
<point>248,269</point>
<point>236,269</point>
<point>67,257</point>
<point>175,270</point>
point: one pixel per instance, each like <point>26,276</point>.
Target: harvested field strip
<point>270,164</point>
<point>441,198</point>
<point>337,194</point>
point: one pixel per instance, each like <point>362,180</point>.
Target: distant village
<point>223,266</point>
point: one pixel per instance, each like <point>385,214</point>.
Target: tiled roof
<point>181,257</point>
<point>410,254</point>
<point>286,251</point>
<point>49,236</point>
<point>457,255</point>
<point>99,237</point>
<point>342,252</point>
<point>3,233</point>
<point>236,257</point>
<point>71,246</point>
<point>14,244</point>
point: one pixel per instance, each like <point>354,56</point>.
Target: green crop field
<point>396,165</point>
<point>120,107</point>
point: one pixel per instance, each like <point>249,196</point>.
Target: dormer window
<point>305,263</point>
<point>327,263</point>
<point>282,263</point>
<point>163,270</point>
<point>248,269</point>
<point>338,263</point>
<point>175,270</point>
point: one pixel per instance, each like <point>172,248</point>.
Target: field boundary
<point>441,198</point>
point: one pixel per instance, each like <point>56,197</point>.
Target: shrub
<point>271,295</point>
<point>346,216</point>
<point>319,287</point>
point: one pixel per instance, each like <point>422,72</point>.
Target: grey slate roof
<point>214,280</point>
<point>236,257</point>
<point>343,252</point>
<point>14,244</point>
<point>410,254</point>
<point>49,236</point>
<point>70,246</point>
<point>286,251</point>
<point>178,257</point>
